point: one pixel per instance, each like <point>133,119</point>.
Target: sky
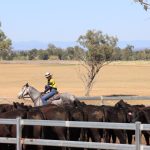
<point>66,20</point>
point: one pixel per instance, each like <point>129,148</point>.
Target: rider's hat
<point>47,74</point>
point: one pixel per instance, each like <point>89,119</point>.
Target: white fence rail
<point>114,98</point>
<point>138,127</point>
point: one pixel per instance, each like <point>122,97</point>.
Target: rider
<point>51,86</point>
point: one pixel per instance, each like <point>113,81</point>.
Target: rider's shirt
<point>52,84</point>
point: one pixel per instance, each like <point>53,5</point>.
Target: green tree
<point>127,52</point>
<point>59,53</point>
<point>43,55</point>
<point>99,51</point>
<point>32,54</point>
<point>51,49</point>
<point>54,51</point>
<point>70,53</point>
<point>117,54</point>
<point>5,46</point>
<point>77,52</point>
<point>73,53</point>
<point>20,55</point>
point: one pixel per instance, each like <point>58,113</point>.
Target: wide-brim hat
<point>47,74</point>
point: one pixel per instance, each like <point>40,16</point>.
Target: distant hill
<point>138,44</point>
<point>28,45</point>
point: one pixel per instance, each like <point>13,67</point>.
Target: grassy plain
<point>117,78</point>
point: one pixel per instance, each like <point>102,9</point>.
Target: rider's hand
<point>42,93</point>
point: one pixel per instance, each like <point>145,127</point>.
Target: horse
<point>35,95</point>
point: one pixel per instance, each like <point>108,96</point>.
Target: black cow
<point>93,113</point>
<point>35,132</point>
<point>10,130</point>
<point>75,134</point>
<point>129,110</point>
<point>53,112</point>
<point>117,115</point>
<point>4,132</point>
<point>6,107</point>
<point>49,112</point>
<point>144,117</point>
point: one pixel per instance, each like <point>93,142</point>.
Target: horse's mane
<point>33,88</point>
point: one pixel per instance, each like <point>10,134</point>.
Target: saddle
<point>55,97</point>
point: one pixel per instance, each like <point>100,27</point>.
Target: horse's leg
<point>60,132</point>
<point>37,135</point>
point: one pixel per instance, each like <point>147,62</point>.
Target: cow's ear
<point>27,84</point>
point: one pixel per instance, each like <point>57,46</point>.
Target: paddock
<point>126,80</point>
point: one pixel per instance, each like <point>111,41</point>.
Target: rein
<point>35,99</point>
<point>26,97</point>
<point>23,95</point>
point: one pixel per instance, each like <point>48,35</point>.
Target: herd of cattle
<point>122,112</point>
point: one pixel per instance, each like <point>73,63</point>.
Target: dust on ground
<point>128,78</point>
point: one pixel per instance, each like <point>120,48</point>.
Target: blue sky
<point>66,20</point>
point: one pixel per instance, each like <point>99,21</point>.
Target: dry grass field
<point>127,78</point>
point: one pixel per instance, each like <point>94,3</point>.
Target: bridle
<point>27,93</point>
<point>23,96</point>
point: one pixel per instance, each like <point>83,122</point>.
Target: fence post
<point>138,135</point>
<point>19,131</point>
<point>102,100</point>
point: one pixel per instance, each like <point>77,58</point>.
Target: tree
<point>117,54</point>
<point>54,51</point>
<point>43,55</point>
<point>144,3</point>
<point>5,46</point>
<point>78,51</point>
<point>32,54</point>
<point>51,49</point>
<point>127,52</point>
<point>73,52</point>
<point>99,51</point>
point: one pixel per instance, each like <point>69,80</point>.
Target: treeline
<point>129,53</point>
<point>94,46</point>
<point>51,53</point>
<point>72,53</point>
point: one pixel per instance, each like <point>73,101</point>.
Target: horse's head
<point>24,91</point>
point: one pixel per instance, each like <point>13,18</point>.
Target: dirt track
<point>127,78</point>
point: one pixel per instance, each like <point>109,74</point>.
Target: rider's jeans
<point>46,96</point>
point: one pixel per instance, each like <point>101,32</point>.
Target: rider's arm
<point>47,87</point>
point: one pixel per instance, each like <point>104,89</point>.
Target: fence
<point>105,98</point>
<point>138,127</point>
